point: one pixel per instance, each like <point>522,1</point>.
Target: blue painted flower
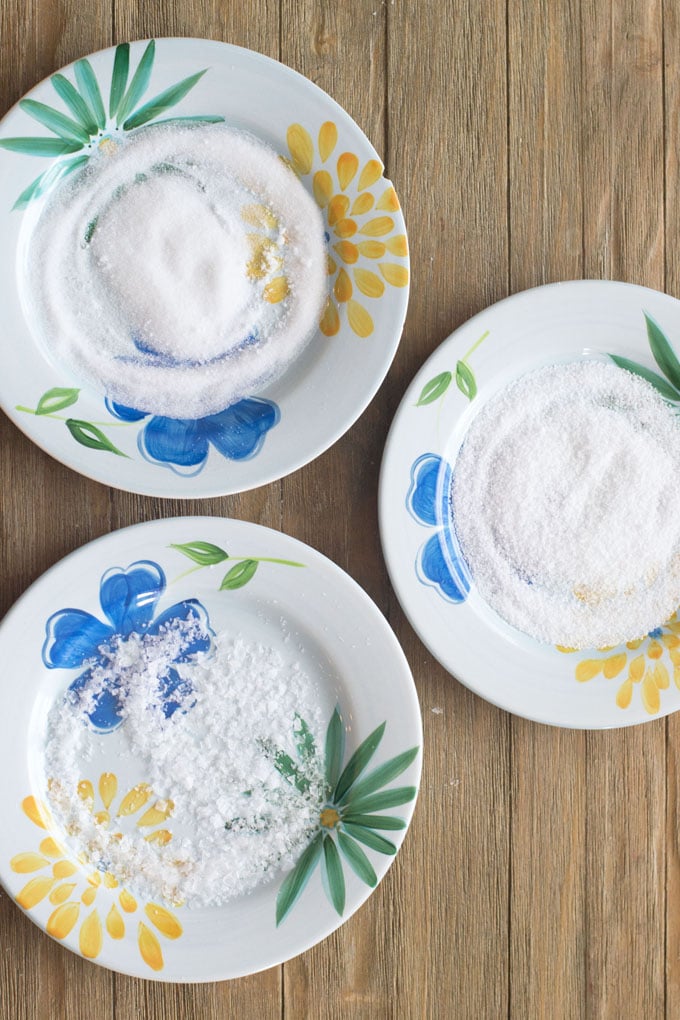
<point>182,444</point>
<point>76,638</point>
<point>440,562</point>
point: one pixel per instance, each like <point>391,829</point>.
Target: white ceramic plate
<point>332,382</point>
<point>306,607</point>
<point>592,689</point>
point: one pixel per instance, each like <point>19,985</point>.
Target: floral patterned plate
<point>264,587</point>
<point>77,115</point>
<point>638,329</point>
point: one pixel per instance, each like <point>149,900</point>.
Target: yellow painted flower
<point>266,254</point>
<point>368,248</point>
<point>647,664</point>
<point>65,884</point>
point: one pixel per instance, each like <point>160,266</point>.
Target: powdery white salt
<point>183,269</point>
<point>566,503</point>
<point>235,820</point>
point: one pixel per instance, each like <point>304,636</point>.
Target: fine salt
<point>182,270</point>
<point>236,821</point>
<point>566,503</point>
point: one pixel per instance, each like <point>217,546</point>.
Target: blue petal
<point>190,609</point>
<point>105,716</point>
<point>428,496</point>
<point>174,692</point>
<point>440,566</point>
<point>174,441</point>
<point>123,412</point>
<point>129,597</point>
<point>239,431</point>
<point>72,637</point>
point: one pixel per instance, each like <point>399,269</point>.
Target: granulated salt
<point>236,820</point>
<point>566,503</point>
<point>183,269</point>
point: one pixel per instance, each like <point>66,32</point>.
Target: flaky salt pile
<point>182,270</point>
<point>566,502</point>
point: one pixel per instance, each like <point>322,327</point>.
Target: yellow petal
<point>676,676</point>
<point>347,251</point>
<point>62,920</point>
<point>276,290</point>
<point>89,896</point>
<point>368,283</point>
<point>91,936</point>
<point>396,275</point>
<point>330,320</point>
<point>102,818</point>
<point>86,791</point>
<point>36,811</point>
<point>110,881</point>
<point>661,677</point>
<point>301,148</point>
<point>95,879</point>
<point>587,669</point>
<point>323,187</point>
<point>348,164</point>
<point>371,249</point>
<point>633,645</point>
<point>157,813</point>
<point>135,799</point>
<point>161,837</point>
<point>670,640</point>
<point>343,286</point>
<point>655,651</point>
<point>362,204</point>
<point>331,265</point>
<point>149,947</point>
<point>108,787</point>
<point>388,201</point>
<point>265,258</point>
<point>613,666</point>
<point>625,693</point>
<point>64,869</point>
<point>35,891</point>
<point>378,227</point>
<point>338,207</point>
<point>24,863</point>
<point>359,319</point>
<point>127,901</point>
<point>565,650</point>
<point>637,669</point>
<point>115,925</point>
<point>62,892</point>
<point>397,245</point>
<point>650,694</point>
<point>51,848</point>
<point>370,174</point>
<point>345,228</point>
<point>162,919</point>
<point>258,215</point>
<point>328,137</point>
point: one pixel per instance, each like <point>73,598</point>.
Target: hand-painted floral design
<point>88,127</point>
<point>668,385</point>
<point>465,379</point>
<point>440,562</point>
<point>70,886</point>
<point>206,554</point>
<point>347,815</point>
<point>76,639</point>
<point>183,444</point>
<point>266,240</point>
<point>363,226</point>
<point>645,664</point>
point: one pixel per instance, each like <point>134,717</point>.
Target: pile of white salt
<point>566,504</point>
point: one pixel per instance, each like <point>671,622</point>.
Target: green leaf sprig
<point>664,356</point>
<point>464,376</point>
<point>205,554</point>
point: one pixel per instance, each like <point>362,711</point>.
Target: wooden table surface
<point>529,141</point>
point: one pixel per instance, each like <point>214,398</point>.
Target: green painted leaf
<point>358,762</point>
<point>47,179</point>
<point>121,65</point>
<point>75,102</point>
<point>87,434</point>
<point>657,381</point>
<point>40,146</point>
<point>304,740</point>
<point>664,355</point>
<point>465,380</point>
<point>381,776</point>
<point>375,821</point>
<point>204,553</point>
<point>138,85</point>
<point>293,885</point>
<point>383,800</point>
<point>335,749</point>
<point>56,400</point>
<point>285,766</point>
<point>155,107</point>
<point>370,838</point>
<point>336,879</point>
<point>87,82</point>
<point>199,119</point>
<point>68,129</point>
<point>357,859</point>
<point>434,389</point>
<point>239,575</point>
